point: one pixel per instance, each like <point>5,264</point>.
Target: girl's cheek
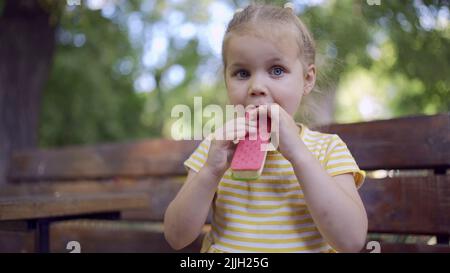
<point>237,90</point>
<point>234,96</point>
<point>287,101</point>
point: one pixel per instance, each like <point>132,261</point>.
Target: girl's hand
<point>222,146</point>
<point>287,131</point>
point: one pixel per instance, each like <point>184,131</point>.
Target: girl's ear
<point>310,79</point>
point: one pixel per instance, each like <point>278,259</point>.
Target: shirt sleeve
<point>198,158</point>
<point>339,160</point>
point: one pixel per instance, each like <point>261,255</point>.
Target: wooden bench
<point>33,213</point>
<point>153,168</point>
<point>415,196</point>
<point>409,202</point>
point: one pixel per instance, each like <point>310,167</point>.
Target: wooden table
<point>20,212</point>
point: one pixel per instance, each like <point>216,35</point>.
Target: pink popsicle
<point>248,160</point>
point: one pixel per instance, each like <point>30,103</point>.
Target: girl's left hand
<point>287,131</point>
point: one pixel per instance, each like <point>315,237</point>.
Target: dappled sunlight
<point>361,96</point>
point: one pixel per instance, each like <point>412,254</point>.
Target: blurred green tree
<point>89,96</point>
<point>104,87</point>
<point>419,34</point>
<point>101,87</point>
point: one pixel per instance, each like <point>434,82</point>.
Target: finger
<point>272,109</point>
<point>250,107</point>
<point>253,114</point>
<point>240,135</point>
<point>241,127</point>
<point>241,120</point>
<point>219,135</point>
<point>232,134</point>
<point>251,123</point>
<point>263,118</point>
<point>236,136</point>
<point>232,125</point>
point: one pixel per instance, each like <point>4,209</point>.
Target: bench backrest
<point>412,204</point>
<point>418,204</point>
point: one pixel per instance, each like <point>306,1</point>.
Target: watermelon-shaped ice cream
<point>249,157</point>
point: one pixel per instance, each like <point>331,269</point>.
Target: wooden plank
<point>421,142</point>
<point>408,205</point>
<point>157,157</point>
<point>388,201</point>
<point>97,236</point>
<point>159,190</point>
<point>410,248</point>
<point>17,241</point>
<point>44,206</point>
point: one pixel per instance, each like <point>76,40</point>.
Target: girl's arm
<point>334,203</point>
<point>187,213</point>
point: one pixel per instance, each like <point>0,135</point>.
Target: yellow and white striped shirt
<point>270,214</point>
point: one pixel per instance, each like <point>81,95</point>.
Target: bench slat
<point>410,248</point>
<point>17,241</point>
<point>44,206</point>
<point>159,191</point>
<point>158,157</point>
<point>408,205</point>
<point>421,142</point>
<point>96,236</point>
<point>418,205</point>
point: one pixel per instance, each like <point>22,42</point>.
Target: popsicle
<point>248,160</point>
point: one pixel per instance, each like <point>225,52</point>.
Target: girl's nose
<point>257,88</point>
<point>258,92</point>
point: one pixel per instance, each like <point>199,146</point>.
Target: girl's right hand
<point>223,145</point>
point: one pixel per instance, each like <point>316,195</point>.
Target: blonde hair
<point>255,17</point>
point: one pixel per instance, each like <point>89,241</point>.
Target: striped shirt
<point>269,214</point>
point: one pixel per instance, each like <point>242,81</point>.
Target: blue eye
<point>277,71</point>
<point>242,74</point>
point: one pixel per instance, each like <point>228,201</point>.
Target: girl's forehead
<point>241,46</point>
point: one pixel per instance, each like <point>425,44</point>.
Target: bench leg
<point>442,239</point>
<point>42,227</point>
<point>42,236</point>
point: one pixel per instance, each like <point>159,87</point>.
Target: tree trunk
<point>27,42</point>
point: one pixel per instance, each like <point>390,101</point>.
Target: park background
<point>110,71</point>
<point>86,72</point>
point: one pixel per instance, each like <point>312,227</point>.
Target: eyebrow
<point>275,59</point>
<point>272,60</point>
<point>236,65</point>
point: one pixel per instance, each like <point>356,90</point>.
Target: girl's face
<point>259,71</point>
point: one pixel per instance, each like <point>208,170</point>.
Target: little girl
<point>306,199</point>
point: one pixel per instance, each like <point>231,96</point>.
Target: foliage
<point>390,53</point>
